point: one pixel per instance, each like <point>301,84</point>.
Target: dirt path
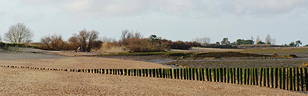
<point>30,82</point>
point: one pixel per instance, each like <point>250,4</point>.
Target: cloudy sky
<point>284,20</point>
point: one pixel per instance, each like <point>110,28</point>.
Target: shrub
<point>143,45</point>
<point>73,42</point>
<point>180,45</point>
<point>54,42</point>
<point>87,40</point>
<point>111,47</point>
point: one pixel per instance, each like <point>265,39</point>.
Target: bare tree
<point>74,42</point>
<point>46,42</point>
<point>93,36</point>
<point>87,40</point>
<point>19,33</point>
<point>54,42</point>
<point>129,35</point>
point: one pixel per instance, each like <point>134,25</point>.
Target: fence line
<point>294,79</point>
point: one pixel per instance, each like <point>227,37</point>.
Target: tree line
<point>87,40</point>
<point>226,43</point>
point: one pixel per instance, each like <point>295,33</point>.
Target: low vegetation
<point>190,54</point>
<point>85,41</point>
<point>286,50</point>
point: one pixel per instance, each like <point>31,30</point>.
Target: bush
<point>180,45</point>
<point>7,45</point>
<point>111,47</point>
<point>85,41</point>
<point>54,42</point>
<point>143,45</point>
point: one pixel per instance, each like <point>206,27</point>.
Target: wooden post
<point>272,77</point>
<point>175,74</point>
<point>238,76</point>
<point>213,73</point>
<point>264,76</point>
<point>268,77</point>
<point>217,74</point>
<point>163,73</point>
<point>256,76</point>
<point>210,74</point>
<point>283,78</point>
<point>225,73</point>
<point>185,73</point>
<point>180,73</point>
<point>197,74</point>
<point>253,76</point>
<point>291,79</point>
<point>193,73</point>
<point>245,76</point>
<point>228,75</point>
<point>202,74</point>
<point>306,78</point>
<point>302,79</point>
<point>207,74</point>
<point>297,79</point>
<point>287,78</point>
<point>154,73</point>
<point>278,78</point>
<point>151,72</point>
<point>294,79</point>
<point>234,75</point>
<point>241,75</point>
<point>231,75</point>
<point>250,76</point>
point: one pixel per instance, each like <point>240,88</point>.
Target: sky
<point>283,20</point>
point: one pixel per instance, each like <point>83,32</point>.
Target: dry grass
<point>28,82</point>
<point>110,48</point>
<point>71,53</point>
<point>198,49</point>
<point>286,50</point>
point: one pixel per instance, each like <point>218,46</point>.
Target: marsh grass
<point>289,50</point>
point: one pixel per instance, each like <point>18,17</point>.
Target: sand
<point>81,62</point>
<point>31,82</point>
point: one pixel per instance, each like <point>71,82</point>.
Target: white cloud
<point>267,6</point>
<point>108,7</point>
<point>137,7</point>
<point>207,7</point>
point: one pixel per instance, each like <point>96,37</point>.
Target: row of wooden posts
<point>295,78</point>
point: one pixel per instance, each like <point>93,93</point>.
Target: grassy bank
<point>289,50</point>
<point>188,54</point>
